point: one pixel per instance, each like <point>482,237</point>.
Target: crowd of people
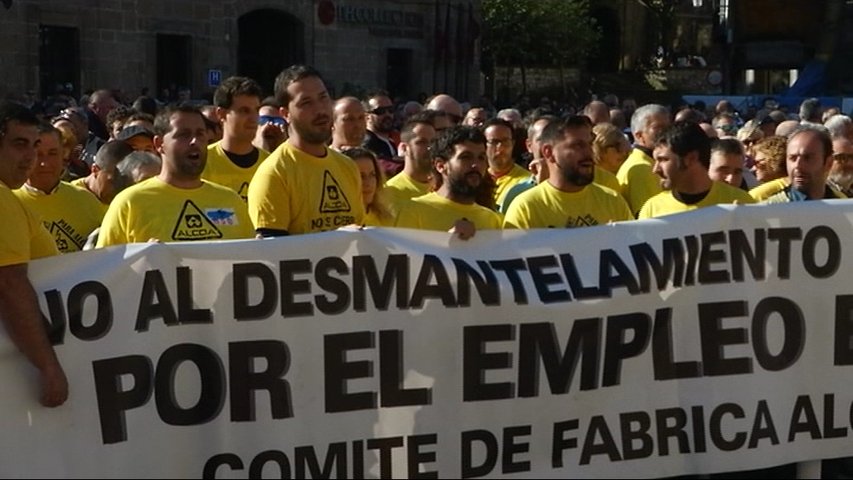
<point>302,162</point>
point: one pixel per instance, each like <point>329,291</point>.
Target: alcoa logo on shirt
<point>193,224</point>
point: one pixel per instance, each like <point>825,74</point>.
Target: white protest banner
<point>713,341</point>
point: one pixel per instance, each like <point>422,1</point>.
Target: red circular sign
<point>326,12</point>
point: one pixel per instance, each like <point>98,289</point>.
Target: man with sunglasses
<point>233,161</point>
<point>272,127</point>
<point>841,173</point>
<point>380,130</point>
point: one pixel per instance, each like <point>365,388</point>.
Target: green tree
<point>542,33</point>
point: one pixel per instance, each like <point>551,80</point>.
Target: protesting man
<point>414,180</point>
<point>68,213</point>
<point>568,198</point>
<point>233,161</point>
<point>682,158</point>
<point>349,124</point>
<point>105,181</point>
<point>304,186</point>
<point>637,180</point>
<point>22,239</point>
<point>459,158</point>
<point>809,161</point>
<point>177,205</point>
<point>272,127</point>
<point>727,161</point>
<point>502,166</point>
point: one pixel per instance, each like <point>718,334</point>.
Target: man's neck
<point>695,186</point>
<point>237,146</point>
<point>342,144</point>
<point>317,150</point>
<point>497,172</point>
<point>383,136</point>
<point>43,187</point>
<point>817,192</point>
<point>445,192</point>
<point>179,181</point>
<point>563,185</point>
<point>415,174</point>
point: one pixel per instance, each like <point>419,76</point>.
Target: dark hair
<point>685,137</point>
<point>407,134</point>
<point>163,121</point>
<point>45,127</point>
<point>727,146</point>
<point>290,75</point>
<point>12,111</point>
<point>810,110</point>
<point>497,122</point>
<point>111,153</point>
<point>556,130</point>
<point>231,87</point>
<point>443,145</point>
<point>373,94</point>
<point>120,114</point>
<point>270,102</point>
<point>145,104</point>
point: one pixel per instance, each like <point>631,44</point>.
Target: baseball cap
<point>134,131</point>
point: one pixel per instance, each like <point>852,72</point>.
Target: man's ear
<point>95,169</point>
<point>690,159</point>
<point>284,113</point>
<point>220,114</point>
<point>402,148</point>
<point>158,144</point>
<point>548,152</point>
<point>440,165</point>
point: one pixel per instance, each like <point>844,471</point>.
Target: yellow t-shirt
<point>155,209</point>
<point>666,204</point>
<point>402,188</point>
<point>371,219</point>
<point>68,213</point>
<point>220,169</point>
<point>767,190</point>
<point>300,193</point>
<point>505,183</point>
<point>434,212</point>
<point>23,237</point>
<point>607,179</point>
<point>637,180</point>
<point>546,207</point>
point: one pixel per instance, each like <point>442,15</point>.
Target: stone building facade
<point>405,46</point>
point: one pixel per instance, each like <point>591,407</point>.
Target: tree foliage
<point>539,32</point>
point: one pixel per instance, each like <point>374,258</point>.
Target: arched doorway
<point>269,41</point>
<point>609,51</point>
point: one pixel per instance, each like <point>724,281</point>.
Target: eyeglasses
<point>843,158</point>
<point>277,121</point>
<point>382,110</point>
<point>498,141</point>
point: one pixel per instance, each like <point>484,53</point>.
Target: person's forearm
<point>20,314</point>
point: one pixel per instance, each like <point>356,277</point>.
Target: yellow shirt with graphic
<point>546,207</point>
<point>767,190</point>
<point>299,193</point>
<point>434,212</point>
<point>154,209</point>
<point>220,169</point>
<point>505,182</point>
<point>68,213</point>
<point>637,180</point>
<point>23,236</point>
<point>402,188</point>
<point>721,193</point>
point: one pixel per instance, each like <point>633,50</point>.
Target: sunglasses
<point>277,121</point>
<point>382,110</point>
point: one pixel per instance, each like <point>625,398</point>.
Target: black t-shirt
<point>690,198</point>
<point>244,161</point>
